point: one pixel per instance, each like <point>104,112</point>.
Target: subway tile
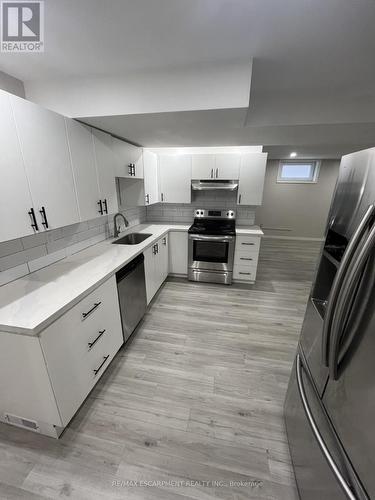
<point>77,247</point>
<point>21,257</point>
<point>46,260</point>
<point>35,240</point>
<point>74,228</point>
<point>13,274</point>
<point>9,247</point>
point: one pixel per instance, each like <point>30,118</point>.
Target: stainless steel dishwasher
<point>131,289</point>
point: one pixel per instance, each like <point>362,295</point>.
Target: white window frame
<point>315,164</point>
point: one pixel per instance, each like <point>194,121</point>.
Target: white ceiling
<point>314,63</point>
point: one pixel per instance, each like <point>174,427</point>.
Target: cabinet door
<point>84,169</point>
<point>15,199</point>
<point>164,257</point>
<point>175,178</point>
<point>105,166</point>
<point>203,166</point>
<point>251,181</point>
<point>150,272</point>
<point>47,162</point>
<point>126,155</point>
<point>150,172</point>
<point>178,252</point>
<point>227,166</point>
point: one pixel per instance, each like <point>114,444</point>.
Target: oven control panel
<point>214,214</point>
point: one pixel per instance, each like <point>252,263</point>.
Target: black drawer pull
<point>101,365</point>
<point>245,258</point>
<point>91,344</point>
<point>251,244</point>
<point>105,205</point>
<point>44,217</point>
<point>245,273</point>
<point>34,223</point>
<point>84,315</point>
<point>100,207</point>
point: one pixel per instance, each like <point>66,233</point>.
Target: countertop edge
<point>40,327</point>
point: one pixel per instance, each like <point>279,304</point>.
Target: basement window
<point>298,171</point>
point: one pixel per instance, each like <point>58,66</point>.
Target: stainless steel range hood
<point>210,185</point>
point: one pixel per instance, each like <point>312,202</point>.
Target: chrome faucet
<point>116,230</point>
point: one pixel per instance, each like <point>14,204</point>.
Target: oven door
<point>214,253</point>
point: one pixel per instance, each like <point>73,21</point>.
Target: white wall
<point>302,209</point>
<point>208,86</point>
<point>11,84</point>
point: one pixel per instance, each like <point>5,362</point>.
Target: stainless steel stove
<point>212,239</point>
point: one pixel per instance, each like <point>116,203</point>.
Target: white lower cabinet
<point>51,375</point>
<point>246,258</point>
<point>156,266</point>
<point>178,252</point>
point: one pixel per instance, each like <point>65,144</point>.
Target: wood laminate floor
<point>192,406</point>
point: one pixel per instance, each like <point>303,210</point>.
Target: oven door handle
<point>210,238</point>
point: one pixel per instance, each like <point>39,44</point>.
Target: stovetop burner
<point>214,222</point>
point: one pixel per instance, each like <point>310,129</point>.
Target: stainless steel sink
<point>132,239</point>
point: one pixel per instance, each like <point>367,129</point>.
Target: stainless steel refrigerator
<point>330,403</point>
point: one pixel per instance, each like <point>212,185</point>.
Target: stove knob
<point>201,212</point>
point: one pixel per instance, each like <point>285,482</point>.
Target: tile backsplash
<point>184,213</point>
<point>24,255</point>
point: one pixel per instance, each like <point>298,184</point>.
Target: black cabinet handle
<point>245,258</point>
<point>105,205</point>
<point>95,306</point>
<point>239,199</point>
<point>249,244</point>
<point>245,273</point>
<point>97,370</point>
<point>157,247</point>
<point>130,169</point>
<point>100,207</point>
<point>34,223</point>
<point>164,241</point>
<point>162,197</point>
<point>91,344</point>
<point>147,198</point>
<point>44,217</point>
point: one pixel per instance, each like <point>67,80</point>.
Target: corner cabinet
<point>251,178</point>
<point>128,158</point>
<point>45,151</point>
<point>175,178</point>
<point>135,192</point>
<point>45,379</point>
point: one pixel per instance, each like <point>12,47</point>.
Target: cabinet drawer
<point>246,259</point>
<point>74,347</point>
<point>244,273</point>
<point>247,243</point>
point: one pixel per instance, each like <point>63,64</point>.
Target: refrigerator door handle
<point>339,278</point>
<point>346,295</point>
<point>331,462</point>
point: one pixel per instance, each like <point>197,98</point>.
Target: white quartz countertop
<point>250,230</point>
<point>30,304</point>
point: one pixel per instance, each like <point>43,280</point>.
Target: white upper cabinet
<point>150,172</point>
<point>15,199</point>
<point>203,166</point>
<point>84,170</point>
<point>227,166</point>
<point>105,166</point>
<point>47,163</point>
<point>251,180</point>
<point>128,159</point>
<point>175,178</point>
